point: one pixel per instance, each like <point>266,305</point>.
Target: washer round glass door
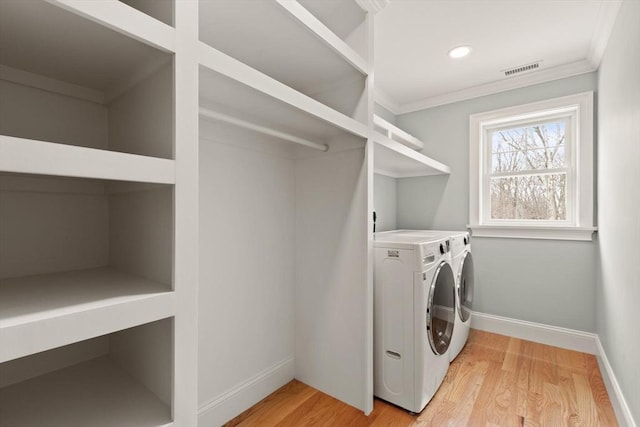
<point>465,287</point>
<point>441,307</point>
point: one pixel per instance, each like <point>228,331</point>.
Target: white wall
<point>541,281</point>
<point>27,112</point>
<point>384,202</point>
<point>145,352</point>
<point>141,233</point>
<point>246,279</point>
<point>51,225</point>
<point>331,323</point>
<point>141,119</point>
<point>618,285</point>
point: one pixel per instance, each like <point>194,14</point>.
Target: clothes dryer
<point>414,315</point>
<point>462,263</point>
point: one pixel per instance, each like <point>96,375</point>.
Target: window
<point>531,170</point>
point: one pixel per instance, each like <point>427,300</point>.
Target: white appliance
<point>414,314</point>
<point>462,264</point>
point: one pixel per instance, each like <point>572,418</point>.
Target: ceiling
<point>412,38</point>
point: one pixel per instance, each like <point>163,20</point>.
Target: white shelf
<point>396,134</point>
<point>19,155</point>
<point>228,84</point>
<point>69,48</point>
<point>41,312</point>
<point>96,393</point>
<point>326,35</point>
<point>286,42</point>
<point>398,161</point>
<point>343,17</point>
<point>123,19</point>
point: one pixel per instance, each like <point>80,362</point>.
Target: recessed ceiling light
<point>459,52</point>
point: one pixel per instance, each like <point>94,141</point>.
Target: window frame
<point>578,225</point>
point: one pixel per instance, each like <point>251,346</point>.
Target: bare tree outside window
<point>528,172</point>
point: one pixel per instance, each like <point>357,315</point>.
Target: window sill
<point>533,232</point>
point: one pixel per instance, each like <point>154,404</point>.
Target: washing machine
<point>462,264</point>
<point>414,315</point>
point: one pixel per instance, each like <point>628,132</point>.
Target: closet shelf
<point>93,50</point>
<point>19,155</point>
<point>321,31</point>
<point>398,161</point>
<point>234,86</point>
<point>396,134</point>
<point>96,393</point>
<point>123,19</point>
<point>343,17</point>
<point>281,39</point>
<point>41,312</point>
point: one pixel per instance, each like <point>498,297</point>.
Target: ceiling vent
<point>522,69</point>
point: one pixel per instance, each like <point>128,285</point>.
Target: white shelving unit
<point>151,165</point>
<point>93,290</point>
<point>98,382</point>
<point>94,393</point>
<point>47,307</point>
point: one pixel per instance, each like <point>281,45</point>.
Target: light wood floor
<point>495,381</point>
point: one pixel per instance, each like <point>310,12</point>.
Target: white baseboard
<point>537,332</point>
<point>619,403</point>
<point>246,394</point>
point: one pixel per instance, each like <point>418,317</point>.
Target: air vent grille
<point>521,69</point>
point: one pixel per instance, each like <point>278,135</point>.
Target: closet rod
<point>262,129</point>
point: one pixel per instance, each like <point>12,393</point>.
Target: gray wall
<point>618,285</point>
<point>384,113</point>
<point>551,282</point>
<point>384,202</point>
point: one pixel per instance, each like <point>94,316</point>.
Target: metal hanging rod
<point>205,112</point>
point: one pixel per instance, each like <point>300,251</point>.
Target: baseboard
<point>619,403</point>
<point>246,394</point>
<point>537,332</point>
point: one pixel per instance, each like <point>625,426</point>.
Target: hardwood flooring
<point>495,381</point>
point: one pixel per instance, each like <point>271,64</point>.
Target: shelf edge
<point>221,63</point>
<point>431,166</point>
<point>51,332</point>
<point>124,19</point>
<point>21,155</point>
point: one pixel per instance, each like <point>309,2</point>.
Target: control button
<point>441,249</point>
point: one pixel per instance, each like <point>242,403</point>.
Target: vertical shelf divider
<point>186,214</point>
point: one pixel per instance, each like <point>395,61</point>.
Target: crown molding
<point>542,76</point>
<point>383,99</point>
<point>606,20</point>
